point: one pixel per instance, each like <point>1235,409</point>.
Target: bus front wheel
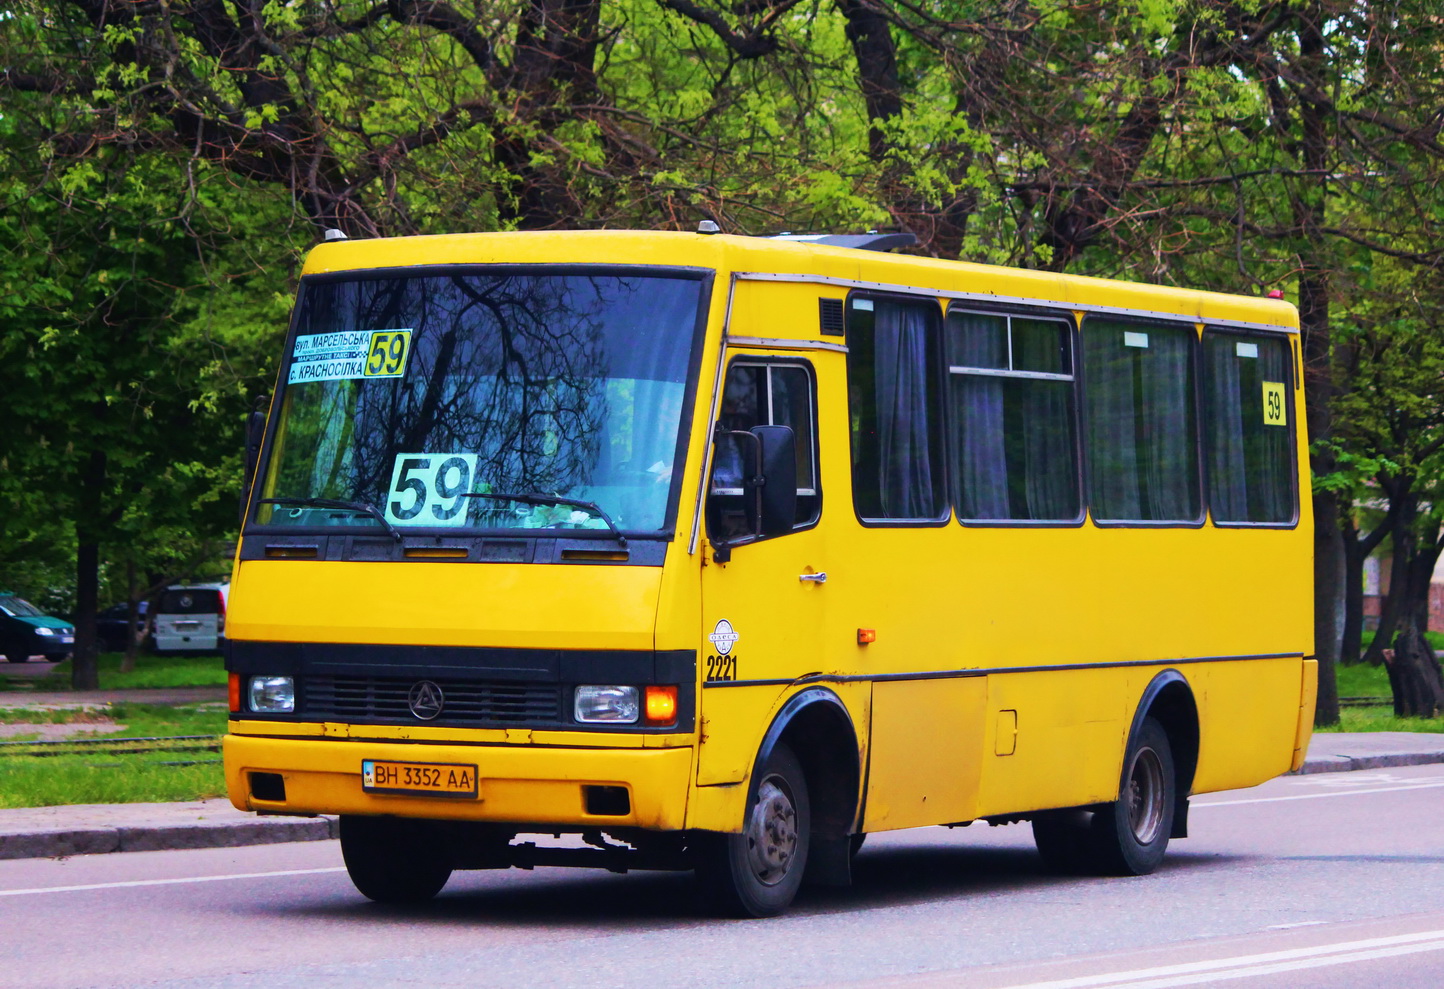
<point>757,873</point>
<point>391,860</point>
<point>1129,836</point>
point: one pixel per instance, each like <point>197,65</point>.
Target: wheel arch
<point>1169,700</point>
<point>816,725</point>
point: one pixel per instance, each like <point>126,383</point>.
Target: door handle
<point>814,578</point>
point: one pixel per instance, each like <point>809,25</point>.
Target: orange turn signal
<point>661,705</point>
<point>866,635</point>
<point>233,692</point>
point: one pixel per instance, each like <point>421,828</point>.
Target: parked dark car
<point>114,632</point>
<point>27,631</point>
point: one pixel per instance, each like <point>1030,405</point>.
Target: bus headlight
<point>607,703</point>
<point>273,695</point>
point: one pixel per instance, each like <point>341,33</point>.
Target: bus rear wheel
<point>757,873</point>
<point>391,860</point>
<point>1129,836</point>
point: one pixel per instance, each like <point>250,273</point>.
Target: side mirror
<point>255,434</point>
<point>760,483</point>
<point>776,486</point>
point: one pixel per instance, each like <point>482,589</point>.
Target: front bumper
<point>526,785</point>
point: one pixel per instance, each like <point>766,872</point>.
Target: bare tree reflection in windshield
<point>567,385</point>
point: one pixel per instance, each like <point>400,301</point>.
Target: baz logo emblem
<point>426,700</point>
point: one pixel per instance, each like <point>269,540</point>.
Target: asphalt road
<point>1329,880</point>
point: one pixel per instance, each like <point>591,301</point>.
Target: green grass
<point>150,671</point>
<point>107,778</point>
<point>1381,718</point>
<point>1363,680</point>
<point>1435,639</point>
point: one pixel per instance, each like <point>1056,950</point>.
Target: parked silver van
<point>190,618</point>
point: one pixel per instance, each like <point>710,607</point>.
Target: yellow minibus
<point>708,552</point>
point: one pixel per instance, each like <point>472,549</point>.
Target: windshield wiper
<point>533,498</point>
<point>359,507</point>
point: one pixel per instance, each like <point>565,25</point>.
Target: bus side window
<point>1250,443</point>
<point>1010,399</point>
<point>899,472</point>
<point>1142,433</point>
<point>760,394</point>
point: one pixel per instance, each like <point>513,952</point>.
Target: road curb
<point>64,842</point>
<point>1347,764</point>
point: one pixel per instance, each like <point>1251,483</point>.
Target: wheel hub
<point>772,833</point>
<point>1145,796</point>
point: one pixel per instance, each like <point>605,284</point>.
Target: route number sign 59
<point>1273,404</point>
<point>430,488</point>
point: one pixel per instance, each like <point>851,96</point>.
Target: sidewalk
<point>86,829</point>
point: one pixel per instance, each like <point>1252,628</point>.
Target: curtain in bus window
<point>1049,440</point>
<point>1016,450</point>
<point>1250,445</point>
<point>977,340</point>
<point>906,428</point>
<point>1141,434</point>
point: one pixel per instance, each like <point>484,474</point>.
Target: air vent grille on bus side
<point>830,317</point>
<point>387,698</point>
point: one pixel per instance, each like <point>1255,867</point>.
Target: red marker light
<point>866,635</point>
<point>1276,293</point>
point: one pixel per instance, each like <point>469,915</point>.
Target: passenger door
<point>763,607</point>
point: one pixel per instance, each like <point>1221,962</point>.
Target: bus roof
<point>794,260</point>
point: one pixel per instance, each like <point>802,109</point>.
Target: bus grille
<point>467,701</point>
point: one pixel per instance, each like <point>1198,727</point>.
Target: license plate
<point>66,640</point>
<point>439,779</point>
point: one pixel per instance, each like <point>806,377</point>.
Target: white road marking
<point>1245,966</point>
<point>168,882</point>
<point>1316,796</point>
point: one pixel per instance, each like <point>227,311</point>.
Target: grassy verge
<point>80,777</point>
<point>1381,718</point>
<point>1362,680</point>
<point>150,671</point>
<point>1435,639</point>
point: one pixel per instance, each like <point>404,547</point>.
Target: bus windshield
<point>484,400</point>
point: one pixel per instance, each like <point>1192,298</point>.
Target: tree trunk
<point>1328,605</point>
<point>1391,604</point>
<point>1352,643</point>
<point>132,646</point>
<point>84,669</point>
<point>1320,384</point>
<point>1414,675</point>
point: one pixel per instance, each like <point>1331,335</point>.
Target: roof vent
<point>872,241</point>
<point>333,234</point>
<point>708,227</point>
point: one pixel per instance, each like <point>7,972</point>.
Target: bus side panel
<point>1071,727</point>
<point>733,721</point>
<point>925,757</point>
<point>1245,737</point>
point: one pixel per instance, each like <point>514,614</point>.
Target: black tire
<point>391,860</point>
<point>757,873</point>
<point>15,657</point>
<point>1129,836</point>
